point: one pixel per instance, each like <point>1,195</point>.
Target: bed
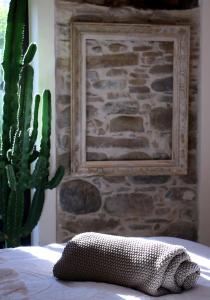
<point>26,274</point>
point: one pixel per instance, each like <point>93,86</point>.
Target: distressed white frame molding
<point>41,28</point>
<point>180,36</point>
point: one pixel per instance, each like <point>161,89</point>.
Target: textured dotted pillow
<point>153,267</point>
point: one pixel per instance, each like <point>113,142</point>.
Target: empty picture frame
<point>129,110</point>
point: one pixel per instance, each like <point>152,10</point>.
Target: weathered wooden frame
<point>177,165</point>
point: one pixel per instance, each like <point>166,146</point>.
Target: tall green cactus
<point>22,166</point>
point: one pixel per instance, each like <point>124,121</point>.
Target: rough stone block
<point>127,123</point>
<point>180,194</point>
<point>161,118</point>
<point>163,85</point>
<point>162,69</point>
<point>138,81</point>
<point>79,197</point>
<point>116,72</point>
<point>95,156</point>
<point>139,89</point>
<point>124,205</point>
<point>95,224</point>
<point>114,60</point>
<point>117,47</point>
<point>106,142</point>
<point>125,107</point>
<point>110,84</point>
<point>149,179</point>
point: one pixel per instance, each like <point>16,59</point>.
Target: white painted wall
<point>204,128</point>
<point>41,23</point>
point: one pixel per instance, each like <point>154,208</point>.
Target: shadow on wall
<point>148,4</point>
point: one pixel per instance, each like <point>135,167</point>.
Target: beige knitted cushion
<point>153,267</point>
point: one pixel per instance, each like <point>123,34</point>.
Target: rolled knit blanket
<point>153,267</point>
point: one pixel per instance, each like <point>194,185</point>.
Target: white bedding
<point>26,273</point>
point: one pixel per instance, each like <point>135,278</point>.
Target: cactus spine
<point>19,135</point>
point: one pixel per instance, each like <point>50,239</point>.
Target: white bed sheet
<point>28,276</point>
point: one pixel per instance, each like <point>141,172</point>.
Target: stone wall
<point>129,98</point>
<point>130,205</point>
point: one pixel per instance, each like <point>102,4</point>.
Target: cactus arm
<point>4,192</point>
<point>11,210</point>
<point>40,172</point>
<point>12,61</point>
<point>56,179</point>
<point>15,150</point>
<point>20,147</point>
<point>14,36</point>
<point>46,125</point>
<point>24,120</point>
<point>25,101</point>
<point>15,210</point>
<point>35,211</point>
<point>33,136</point>
<point>11,177</point>
<point>30,53</point>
